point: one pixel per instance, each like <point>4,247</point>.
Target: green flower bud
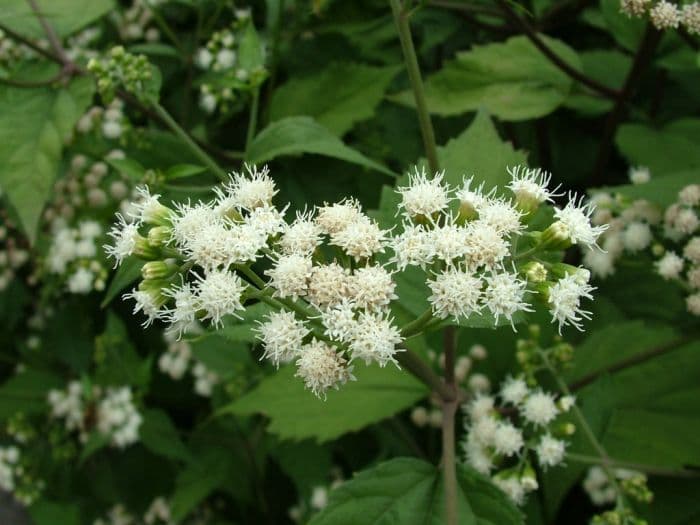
<point>159,269</point>
<point>555,237</point>
<point>159,235</point>
<point>534,272</point>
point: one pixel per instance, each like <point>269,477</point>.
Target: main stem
<point>187,140</point>
<point>447,389</point>
<point>411,61</point>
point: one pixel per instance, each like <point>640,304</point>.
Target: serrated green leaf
<point>296,135</point>
<point>337,97</point>
<point>512,80</point>
<point>295,413</point>
<point>65,16</point>
<point>35,124</point>
<point>159,435</point>
<point>410,492</point>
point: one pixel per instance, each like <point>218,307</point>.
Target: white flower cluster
<point>136,22</point>
<point>12,51</point>
<point>157,513</point>
<point>670,237</point>
<point>78,46</point>
<point>12,255</point>
<point>220,56</point>
<point>665,14</point>
<point>494,437</point>
<point>73,256</point>
<point>335,309</point>
<point>9,462</point>
<point>110,120</point>
<point>598,487</point>
<point>116,415</point>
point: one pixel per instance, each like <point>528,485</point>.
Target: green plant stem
<point>188,141</point>
<point>420,369</point>
<point>605,461</point>
<point>253,119</point>
<point>647,469</point>
<point>414,75</point>
<point>449,461</point>
<point>417,325</point>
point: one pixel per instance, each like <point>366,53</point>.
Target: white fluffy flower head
<point>302,236</point>
<point>455,293</point>
<point>539,408</point>
<point>372,287</point>
<point>564,299</point>
<point>124,236</point>
<point>504,296</point>
<point>282,335</point>
<point>576,217</point>
<point>336,217</point>
<point>507,439</point>
<point>531,186</point>
<point>514,390</point>
<point>665,15</point>
<point>321,368</point>
<point>670,266</point>
<point>252,189</point>
<point>220,294</point>
<point>375,338</point>
<point>361,239</point>
<point>290,275</point>
<point>424,196</point>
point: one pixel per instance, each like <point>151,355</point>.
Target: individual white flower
<point>462,368</point>
<point>539,408</point>
<point>485,247</point>
<point>692,303</point>
<point>118,418</point>
<point>252,189</point>
<point>478,352</point>
<point>502,216</point>
<point>481,406</point>
<point>339,321</point>
<point>634,7</point>
<point>89,229</point>
<point>147,302</point>
<point>360,239</point>
<point>448,242</point>
<point>471,200</point>
<point>112,129</point>
<point>175,360</point>
<point>302,236</point>
<point>290,275</point>
<point>338,216</point>
<point>219,294</point>
<point>203,58</point>
<point>637,236</point>
<point>575,217</point>
<point>530,186</point>
<point>148,209</point>
<point>601,263</point>
<point>564,300</point>
<point>511,487</point>
<point>507,439</point>
<point>477,456</point>
<point>124,236</point>
<point>686,222</point>
<point>189,221</point>
<point>268,220</point>
<point>372,287</point>
<point>424,196</point>
<point>225,59</point>
<point>694,277</point>
<point>455,293</point>
<point>282,335</point>
<point>208,102</point>
<point>690,17</point>
<point>665,15</point>
<point>319,498</point>
<point>328,285</point>
<point>483,429</point>
<point>183,315</point>
<point>550,451</point>
<point>692,250</point>
<point>639,174</point>
<point>322,368</point>
<point>479,383</point>
<point>81,281</point>
<point>513,390</point>
<point>419,416</point>
<point>204,380</point>
<point>669,266</point>
<point>211,247</point>
<point>375,338</point>
<point>411,247</point>
<point>504,295</point>
<point>158,512</point>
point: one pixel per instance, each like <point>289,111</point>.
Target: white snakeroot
<point>175,360</point>
<point>339,321</point>
<point>204,380</point>
<point>282,335</point>
<point>539,408</point>
<point>514,390</point>
<point>411,247</point>
<point>512,488</point>
<point>252,189</point>
<point>448,242</point>
<point>124,236</point>
<point>639,175</point>
<point>481,406</point>
<point>690,195</point>
<point>424,196</point>
<point>328,285</point>
<point>485,247</point>
<point>634,7</point>
<point>375,338</point>
<point>146,302</point>
<point>360,239</point>
<point>507,439</point>
<point>691,18</point>
<point>338,216</point>
<point>147,208</point>
<point>665,15</point>
<point>321,368</point>
<point>267,220</point>
<point>219,294</point>
<point>455,293</point>
<point>302,236</point>
<point>81,281</point>
<point>576,217</point>
<point>189,221</point>
<point>479,383</point>
<point>670,266</point>
<point>692,303</point>
<point>118,418</point>
<point>471,199</point>
<point>504,296</point>
<point>686,222</point>
<point>637,236</point>
<point>372,287</point>
<point>550,451</point>
<point>692,250</point>
<point>531,185</point>
<point>183,315</point>
<point>477,456</point>
<point>564,299</point>
<point>290,275</point>
<point>502,216</point>
<point>483,429</point>
<point>602,264</point>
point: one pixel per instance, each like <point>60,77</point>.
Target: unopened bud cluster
<point>667,237</point>
<point>664,14</point>
<point>121,70</point>
<point>136,23</point>
<point>330,279</point>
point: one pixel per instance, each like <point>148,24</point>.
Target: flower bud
<point>159,269</point>
<point>159,235</point>
<point>467,212</point>
<point>555,237</point>
<point>528,479</point>
<point>535,272</point>
<point>145,250</point>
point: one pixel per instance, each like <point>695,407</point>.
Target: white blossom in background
<point>9,459</point>
<point>204,380</point>
<point>634,8</point>
<point>118,417</point>
<point>665,15</point>
<point>639,174</point>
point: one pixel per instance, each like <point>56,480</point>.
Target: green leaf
<point>662,190</point>
<point>116,358</point>
<point>481,152</point>
<point>128,272</point>
<point>65,16</point>
<point>669,149</point>
<point>339,96</point>
<point>295,413</point>
<point>627,31</point>
<point>159,435</point>
<point>609,67</point>
<point>26,392</point>
<point>35,124</point>
<point>410,492</point>
<point>129,168</point>
<point>95,442</point>
<point>45,512</point>
<point>251,54</point>
<point>198,480</point>
<point>240,329</point>
<point>512,80</point>
<point>222,356</point>
<point>181,171</point>
<point>295,135</point>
